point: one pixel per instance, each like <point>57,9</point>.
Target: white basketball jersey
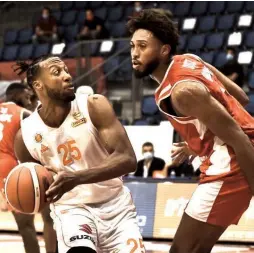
<point>74,146</point>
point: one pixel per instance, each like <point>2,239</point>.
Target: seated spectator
<point>137,9</point>
<point>93,28</point>
<point>232,69</point>
<point>180,170</point>
<point>150,163</point>
<point>46,28</point>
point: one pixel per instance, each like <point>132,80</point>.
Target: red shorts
<point>220,203</point>
<point>7,163</point>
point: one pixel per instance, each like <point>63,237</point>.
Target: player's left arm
<point>193,99</point>
<point>121,159</point>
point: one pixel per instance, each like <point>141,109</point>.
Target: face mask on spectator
<point>138,8</point>
<point>148,155</point>
<point>45,16</point>
<point>229,57</point>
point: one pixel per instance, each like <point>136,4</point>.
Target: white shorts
<point>111,227</point>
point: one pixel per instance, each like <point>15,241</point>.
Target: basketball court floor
<point>12,242</point>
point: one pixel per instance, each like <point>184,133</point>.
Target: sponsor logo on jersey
<point>82,237</point>
<point>86,228</point>
<point>116,251</point>
<point>38,138</point>
<point>44,148</point>
<point>78,122</point>
<point>76,115</point>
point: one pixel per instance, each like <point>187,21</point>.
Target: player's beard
<point>149,69</point>
<point>62,97</point>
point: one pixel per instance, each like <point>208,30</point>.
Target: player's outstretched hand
<point>64,182</point>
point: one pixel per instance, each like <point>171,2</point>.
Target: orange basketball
<point>25,187</point>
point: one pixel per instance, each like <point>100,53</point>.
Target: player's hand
<point>64,182</point>
<point>181,152</point>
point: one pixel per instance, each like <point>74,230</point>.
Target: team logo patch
<point>78,122</point>
<point>38,138</point>
<point>86,228</point>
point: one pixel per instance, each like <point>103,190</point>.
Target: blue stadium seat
<point>214,41</point>
<point>115,14</point>
<point>207,56</point>
<point>216,7</point>
<point>120,45</point>
<point>101,13</point>
<point>60,31</point>
<point>71,51</point>
<point>111,3</point>
<point>149,106</point>
<point>25,35</point>
<point>182,42</point>
<point>81,17</point>
<point>1,53</point>
<point>68,18</point>
<point>41,49</point>
<point>199,8</point>
<point>196,42</point>
<point>10,37</point>
<point>226,22</point>
<point>10,53</point>
<point>70,33</point>
<point>94,48</point>
<point>182,9</point>
<point>124,72</point>
<point>140,122</point>
<point>166,6</point>
<point>117,30</point>
<point>249,40</point>
<point>95,4</point>
<point>220,59</point>
<point>128,12</point>
<point>66,5</point>
<point>250,106</point>
<point>81,5</point>
<point>249,6</point>
<point>206,24</point>
<point>251,80</point>
<point>234,6</point>
<point>57,15</point>
<point>26,52</point>
<point>109,66</point>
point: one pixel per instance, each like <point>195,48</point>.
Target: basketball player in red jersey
<point>11,114</point>
<point>206,109</point>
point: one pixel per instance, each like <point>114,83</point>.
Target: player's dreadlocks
<point>159,22</point>
<point>32,70</point>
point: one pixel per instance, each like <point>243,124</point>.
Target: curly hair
<point>32,70</point>
<point>160,23</point>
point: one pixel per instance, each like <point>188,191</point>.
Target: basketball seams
<point>36,185</point>
<point>17,189</point>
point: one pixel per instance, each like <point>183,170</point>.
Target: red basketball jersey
<point>218,159</point>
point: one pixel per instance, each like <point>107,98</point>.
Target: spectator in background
<point>46,28</point>
<point>93,28</point>
<point>232,69</point>
<point>137,9</point>
<point>150,163</point>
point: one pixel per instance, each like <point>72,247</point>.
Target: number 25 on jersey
<point>70,152</point>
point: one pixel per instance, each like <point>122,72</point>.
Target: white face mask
<point>229,57</point>
<point>138,8</point>
<point>45,16</point>
<point>148,155</point>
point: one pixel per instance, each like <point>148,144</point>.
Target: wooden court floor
<point>12,243</point>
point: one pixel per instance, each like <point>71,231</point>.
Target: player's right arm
<point>193,99</point>
<point>232,88</point>
<point>20,149</point>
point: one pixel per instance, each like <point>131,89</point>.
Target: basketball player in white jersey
<point>80,138</point>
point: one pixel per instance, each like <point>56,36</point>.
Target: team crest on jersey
<point>78,122</point>
<point>38,138</point>
<point>76,115</point>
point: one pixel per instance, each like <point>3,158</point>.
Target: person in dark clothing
<point>150,163</point>
<point>46,28</point>
<point>93,28</point>
<point>232,69</point>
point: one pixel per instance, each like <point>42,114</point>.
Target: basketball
<point>26,186</point>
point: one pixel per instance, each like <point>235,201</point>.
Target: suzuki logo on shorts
<point>86,228</point>
<point>82,237</point>
<point>141,220</point>
<point>175,207</point>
